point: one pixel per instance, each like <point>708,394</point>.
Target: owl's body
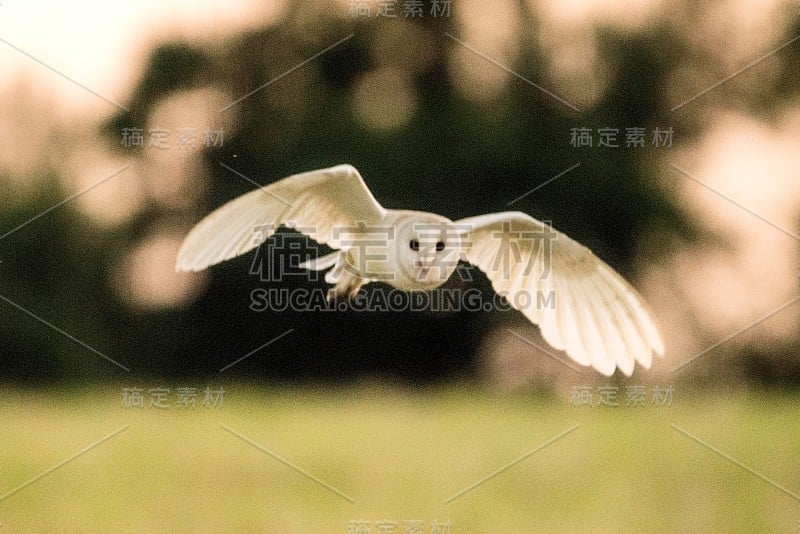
<point>599,319</point>
<point>418,252</point>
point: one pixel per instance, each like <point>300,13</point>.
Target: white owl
<point>599,320</point>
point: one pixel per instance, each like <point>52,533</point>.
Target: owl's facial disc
<point>427,253</point>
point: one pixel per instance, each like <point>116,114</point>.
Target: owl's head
<point>426,251</point>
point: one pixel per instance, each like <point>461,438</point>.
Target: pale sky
<point>102,45</point>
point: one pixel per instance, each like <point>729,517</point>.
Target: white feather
<point>315,202</point>
<point>599,320</point>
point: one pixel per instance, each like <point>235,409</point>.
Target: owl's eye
<point>414,244</point>
<point>439,246</point>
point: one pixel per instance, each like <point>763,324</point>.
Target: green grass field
<point>395,456</point>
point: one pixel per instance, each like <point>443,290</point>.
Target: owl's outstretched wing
<point>322,204</point>
<point>596,317</point>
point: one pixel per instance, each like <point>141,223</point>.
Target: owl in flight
<point>598,319</point>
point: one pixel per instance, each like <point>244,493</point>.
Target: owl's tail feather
<point>321,263</point>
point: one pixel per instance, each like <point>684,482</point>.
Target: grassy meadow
<point>383,459</point>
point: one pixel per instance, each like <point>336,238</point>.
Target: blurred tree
<point>439,151</point>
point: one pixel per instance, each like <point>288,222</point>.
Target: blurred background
<point>663,135</point>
